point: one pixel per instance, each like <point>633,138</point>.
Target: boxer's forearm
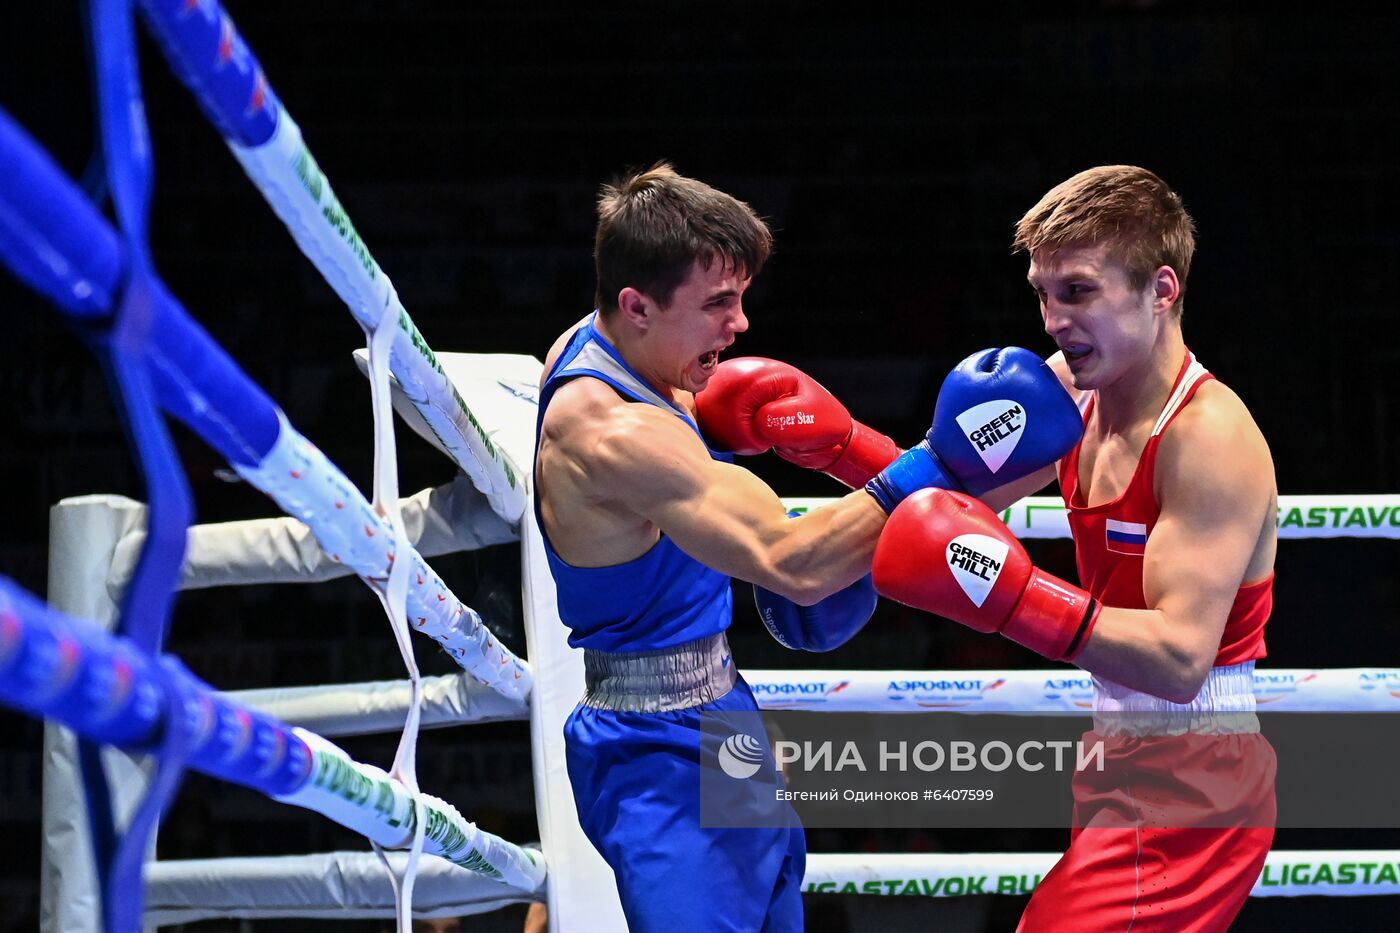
<point>1148,651</point>
<point>825,550</point>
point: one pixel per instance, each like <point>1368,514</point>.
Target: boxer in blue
<point>644,525</point>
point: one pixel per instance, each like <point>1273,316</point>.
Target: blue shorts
<point>637,780</point>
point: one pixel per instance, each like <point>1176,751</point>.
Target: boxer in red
<point>1172,502</point>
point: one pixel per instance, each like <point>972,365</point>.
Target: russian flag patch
<point>1125,537</point>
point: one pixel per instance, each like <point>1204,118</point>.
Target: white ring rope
<point>364,798</point>
<point>1334,873</point>
<point>300,479</point>
<point>1322,516</point>
<point>387,808</point>
<point>1067,690</point>
<point>284,171</point>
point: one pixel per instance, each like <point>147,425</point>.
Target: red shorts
<point>1169,838</point>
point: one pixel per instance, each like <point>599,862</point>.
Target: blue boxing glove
<point>825,625</point>
<point>829,623</point>
<point>1001,415</point>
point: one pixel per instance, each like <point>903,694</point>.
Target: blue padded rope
<point>56,242</point>
<point>121,347</point>
<point>93,180</point>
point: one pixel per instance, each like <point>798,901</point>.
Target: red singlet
<point>1110,538</point>
<point>1172,835</point>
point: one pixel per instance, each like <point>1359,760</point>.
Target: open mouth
<point>1076,351</point>
<point>709,360</point>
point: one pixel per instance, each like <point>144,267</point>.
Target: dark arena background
<point>892,146</point>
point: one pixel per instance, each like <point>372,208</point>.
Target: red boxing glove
<point>949,554</point>
<point>752,404</point>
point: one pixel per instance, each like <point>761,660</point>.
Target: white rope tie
<point>394,595</point>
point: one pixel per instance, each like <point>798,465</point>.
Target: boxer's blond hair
<point>1142,221</point>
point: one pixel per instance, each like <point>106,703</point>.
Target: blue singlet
<point>637,776</point>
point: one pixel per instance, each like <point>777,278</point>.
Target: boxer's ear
<point>636,308</point>
<point>1166,289</point>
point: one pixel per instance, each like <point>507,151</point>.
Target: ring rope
<point>1335,873</point>
<point>206,52</point>
<point>101,686</point>
<point>1306,516</point>
<point>213,402</point>
<point>40,210</point>
<point>1068,690</point>
<point>308,486</point>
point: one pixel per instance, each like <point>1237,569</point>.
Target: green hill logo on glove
<point>994,428</point>
<point>976,562</point>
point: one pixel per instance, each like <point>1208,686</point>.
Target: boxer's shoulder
<point>1216,416</point>
<point>596,466</point>
<point>616,445</point>
<point>584,410</point>
<point>1215,438</point>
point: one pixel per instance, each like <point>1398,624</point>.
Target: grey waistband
<point>687,675</point>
